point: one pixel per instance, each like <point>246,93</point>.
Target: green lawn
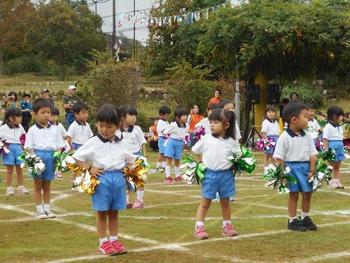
<point>162,232</point>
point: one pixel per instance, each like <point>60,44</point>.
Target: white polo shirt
<point>292,147</point>
<point>161,126</point>
<point>133,138</point>
<point>11,134</point>
<point>41,138</point>
<point>63,131</point>
<point>176,131</point>
<point>333,132</point>
<point>216,151</point>
<point>104,154</point>
<point>270,128</point>
<point>79,132</point>
<point>313,127</point>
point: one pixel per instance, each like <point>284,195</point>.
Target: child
<point>162,124</point>
<point>43,138</point>
<point>216,148</point>
<point>11,130</point>
<point>270,129</point>
<point>54,121</point>
<point>79,131</point>
<point>295,149</point>
<point>174,145</point>
<point>230,106</point>
<point>313,127</point>
<point>27,108</point>
<point>205,123</point>
<point>333,138</point>
<point>104,156</point>
<point>135,142</point>
<point>152,138</point>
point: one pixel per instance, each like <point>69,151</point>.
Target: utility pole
<point>237,96</point>
<point>113,36</point>
<point>95,2</point>
<point>134,44</point>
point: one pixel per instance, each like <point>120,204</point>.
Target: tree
<point>66,33</point>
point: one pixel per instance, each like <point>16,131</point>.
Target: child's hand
<point>95,171</point>
<point>310,176</point>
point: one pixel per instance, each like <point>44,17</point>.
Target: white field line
<point>325,257</point>
<point>185,244</point>
<point>335,192</point>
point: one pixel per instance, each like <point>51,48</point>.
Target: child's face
<point>130,119</point>
<point>217,127</point>
<point>43,116</point>
<point>16,120</point>
<point>82,116</point>
<point>229,107</point>
<point>311,114</point>
<point>106,130</point>
<point>217,94</point>
<point>54,118</point>
<point>26,98</point>
<point>164,116</point>
<point>183,119</point>
<point>271,114</point>
<point>301,121</point>
<point>339,119</point>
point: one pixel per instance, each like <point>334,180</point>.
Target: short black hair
<point>55,111</point>
<point>294,93</point>
<point>293,109</point>
<point>41,103</point>
<point>107,113</point>
<point>26,95</point>
<point>224,102</point>
<point>164,110</point>
<point>11,112</point>
<point>334,112</point>
<point>180,111</point>
<point>225,116</point>
<point>127,109</point>
<point>79,106</point>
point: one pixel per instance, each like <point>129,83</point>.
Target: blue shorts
<point>76,146</point>
<point>300,171</point>
<point>338,146</point>
<point>222,182</point>
<point>47,157</point>
<point>272,149</point>
<point>174,148</point>
<point>110,193</point>
<point>161,141</point>
<point>11,158</point>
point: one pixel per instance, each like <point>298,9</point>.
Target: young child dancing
<point>295,149</point>
<point>104,156</point>
<point>216,148</point>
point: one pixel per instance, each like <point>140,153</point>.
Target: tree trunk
<point>1,63</point>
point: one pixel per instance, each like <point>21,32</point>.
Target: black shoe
<point>296,225</point>
<point>307,222</point>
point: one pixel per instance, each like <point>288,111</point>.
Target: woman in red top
<point>194,118</point>
<point>216,99</point>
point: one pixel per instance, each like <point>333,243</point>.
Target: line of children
<point>173,147</point>
<point>270,129</point>
<point>295,149</point>
<point>135,142</point>
<point>104,156</point>
<point>43,139</point>
<point>11,130</point>
<point>333,137</point>
<point>216,148</point>
<point>162,124</point>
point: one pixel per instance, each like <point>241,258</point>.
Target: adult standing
<point>11,101</point>
<point>294,96</point>
<point>45,94</point>
<point>68,103</point>
<point>27,108</point>
<point>194,118</point>
<point>216,99</point>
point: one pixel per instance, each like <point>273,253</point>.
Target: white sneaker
<point>41,214</point>
<point>10,191</point>
<point>50,214</point>
<point>22,190</point>
<point>333,184</point>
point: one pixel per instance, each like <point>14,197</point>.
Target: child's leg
<point>19,172</point>
<point>113,224</point>
<point>162,160</point>
<point>38,186</point>
<point>305,204</point>
<point>101,225</point>
<point>168,167</point>
<point>292,205</point>
<point>9,172</point>
<point>226,209</point>
<point>336,170</point>
<point>202,210</point>
<point>177,169</point>
<point>139,198</point>
<point>266,160</point>
<point>46,197</point>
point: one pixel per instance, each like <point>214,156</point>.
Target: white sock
<point>163,164</point>
<point>225,222</point>
<point>46,207</point>
<point>177,171</point>
<point>199,223</point>
<point>159,164</point>
<point>102,240</point>
<point>291,218</point>
<point>304,214</point>
<point>39,208</point>
<point>167,171</point>
<point>139,195</point>
<point>217,196</point>
<point>113,238</point>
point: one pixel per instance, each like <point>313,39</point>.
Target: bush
<point>307,93</point>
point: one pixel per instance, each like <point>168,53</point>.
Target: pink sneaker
<point>59,174</point>
<point>107,249</point>
<point>118,246</point>
<point>129,205</point>
<point>200,232</point>
<point>178,179</point>
<point>138,204</point>
<point>169,180</point>
<point>228,231</point>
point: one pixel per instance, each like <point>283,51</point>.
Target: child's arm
<point>325,143</point>
<point>279,162</point>
<point>91,169</point>
<point>313,159</point>
<point>144,150</point>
